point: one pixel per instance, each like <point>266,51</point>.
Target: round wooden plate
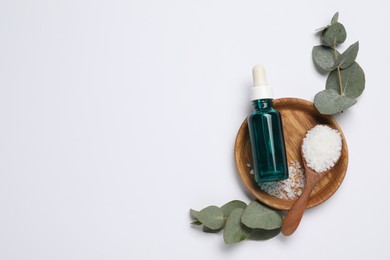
<point>298,117</point>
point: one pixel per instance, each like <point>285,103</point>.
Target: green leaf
<point>349,56</point>
<point>211,217</point>
<point>334,34</point>
<point>329,102</point>
<point>230,206</point>
<point>324,57</point>
<point>196,222</point>
<point>353,81</point>
<point>257,215</point>
<point>234,231</point>
<point>322,28</point>
<point>263,234</point>
<point>194,214</point>
<point>209,230</point>
<point>335,18</point>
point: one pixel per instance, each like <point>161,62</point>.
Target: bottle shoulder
<point>259,113</point>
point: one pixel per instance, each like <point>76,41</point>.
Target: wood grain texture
<point>293,218</point>
<point>298,116</point>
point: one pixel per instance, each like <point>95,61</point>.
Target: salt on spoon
<point>321,150</point>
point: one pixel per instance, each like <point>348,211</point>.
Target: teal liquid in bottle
<point>266,133</point>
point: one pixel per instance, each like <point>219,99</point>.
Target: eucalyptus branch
<point>346,79</point>
<point>338,68</point>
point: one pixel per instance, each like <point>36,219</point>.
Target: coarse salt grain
<point>322,147</point>
<point>288,189</point>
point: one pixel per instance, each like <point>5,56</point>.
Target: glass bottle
<point>266,133</point>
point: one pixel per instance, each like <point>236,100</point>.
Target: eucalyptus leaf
<point>211,217</point>
<point>334,34</point>
<point>194,214</point>
<point>257,215</point>
<point>348,57</point>
<point>196,222</point>
<point>263,234</point>
<point>324,57</point>
<point>322,28</point>
<point>234,231</point>
<point>335,18</point>
<point>230,206</point>
<point>209,230</point>
<point>352,79</point>
<point>330,102</point>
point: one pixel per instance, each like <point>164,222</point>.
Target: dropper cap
<point>261,89</point>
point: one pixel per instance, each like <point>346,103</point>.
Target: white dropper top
<point>261,89</point>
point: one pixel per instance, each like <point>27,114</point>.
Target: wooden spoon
<point>294,216</point>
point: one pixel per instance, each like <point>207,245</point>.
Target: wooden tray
<point>298,117</point>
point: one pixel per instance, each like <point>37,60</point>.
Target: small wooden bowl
<point>298,117</point>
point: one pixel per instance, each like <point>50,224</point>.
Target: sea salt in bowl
<point>298,117</point>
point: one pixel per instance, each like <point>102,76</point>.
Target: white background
<point>118,116</point>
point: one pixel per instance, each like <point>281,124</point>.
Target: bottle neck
<point>262,104</point>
